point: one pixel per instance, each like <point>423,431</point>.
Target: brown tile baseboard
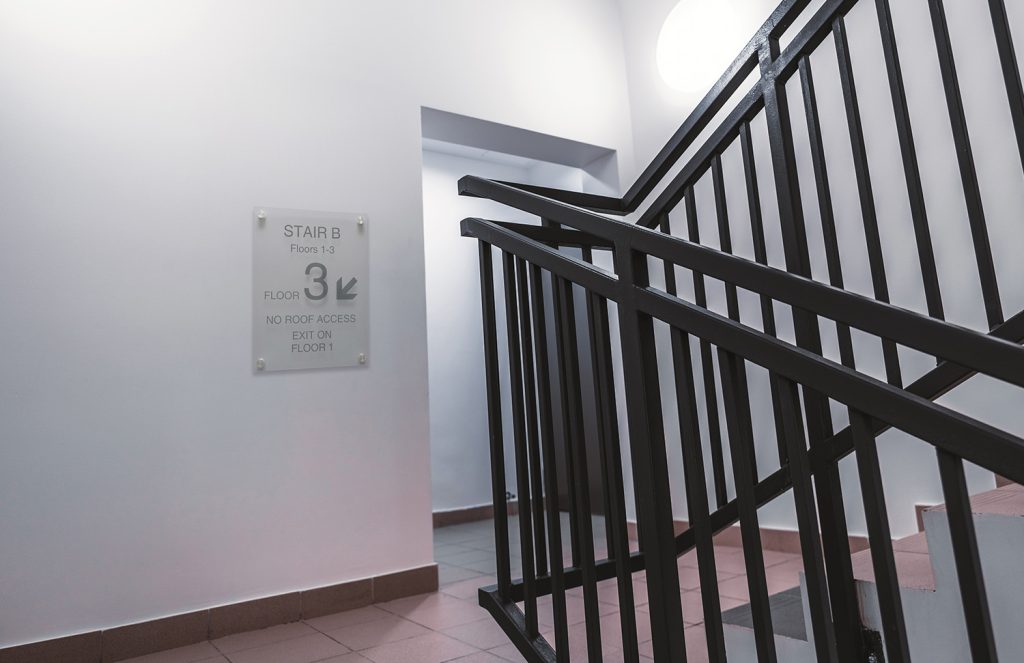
<point>129,641</point>
<point>155,635</point>
<point>81,648</point>
<point>469,514</point>
<point>255,614</point>
<point>779,540</point>
<point>404,583</point>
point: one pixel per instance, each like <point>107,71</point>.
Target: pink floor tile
<point>508,653</point>
<point>913,569</point>
<point>730,563</point>
<point>483,634</point>
<point>480,657</point>
<point>252,639</point>
<point>773,557</point>
<point>436,611</point>
<point>696,645</point>
<point>917,543</point>
<point>448,574</point>
<point>776,581</point>
<point>468,590</point>
<point>611,629</point>
<point>203,651</point>
<point>377,632</point>
<point>693,606</point>
<point>305,649</point>
<point>429,648</point>
<point>689,577</point>
<point>575,610</point>
<point>348,618</point>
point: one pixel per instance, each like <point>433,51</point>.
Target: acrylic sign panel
<point>310,289</point>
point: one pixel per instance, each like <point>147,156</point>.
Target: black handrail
<point>980,443</point>
<point>955,435</point>
<point>982,352</point>
<point>544,361</point>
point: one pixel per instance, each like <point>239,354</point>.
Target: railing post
<point>576,456</point>
<point>495,432</point>
<point>650,465</point>
<point>533,434</point>
<point>608,439</point>
<point>522,465</point>
<point>835,538</point>
<point>549,467</point>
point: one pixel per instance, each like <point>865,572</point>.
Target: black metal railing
<point>582,338</point>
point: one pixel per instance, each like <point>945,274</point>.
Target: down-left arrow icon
<point>345,293</point>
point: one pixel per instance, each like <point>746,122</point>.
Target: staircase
<point>755,371</point>
<point>926,573</point>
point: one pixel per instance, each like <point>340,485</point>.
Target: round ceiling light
<point>699,39</point>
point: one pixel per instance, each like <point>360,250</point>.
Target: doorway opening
<point>455,146</point>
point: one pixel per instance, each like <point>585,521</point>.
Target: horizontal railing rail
<point>937,382</point>
<point>978,442</point>
<point>983,352</point>
<point>873,404</point>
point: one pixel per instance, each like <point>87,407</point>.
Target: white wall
<point>909,465</point>
<point>459,453</point>
<point>144,470</point>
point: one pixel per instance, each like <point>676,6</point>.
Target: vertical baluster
<point>835,539</point>
<point>880,538</point>
<point>1011,71</point>
<point>968,173</point>
<point>968,563</point>
<point>497,450</point>
<point>761,256</point>
<point>731,295</point>
<point>707,364</point>
<point>569,372</point>
<point>862,170</point>
<point>515,371</point>
<point>649,461</point>
<point>608,432</point>
<point>724,233</point>
<point>570,468</point>
<point>696,483</point>
<point>807,522</point>
<point>549,468</point>
<point>824,190</point>
<point>741,447</point>
<point>532,437</point>
<point>588,256</point>
<point>911,170</point>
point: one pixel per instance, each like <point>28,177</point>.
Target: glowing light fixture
<point>698,41</point>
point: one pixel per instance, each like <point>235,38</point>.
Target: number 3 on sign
<point>343,292</point>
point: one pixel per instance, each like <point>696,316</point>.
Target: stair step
<point>787,615</point>
<point>913,564</point>
<point>1003,501</point>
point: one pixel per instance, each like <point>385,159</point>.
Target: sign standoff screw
<point>260,364</point>
<point>261,216</point>
<point>362,357</point>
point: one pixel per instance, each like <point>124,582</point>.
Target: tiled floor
<point>450,626</point>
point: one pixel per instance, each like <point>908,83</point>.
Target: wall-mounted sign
<point>310,290</point>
